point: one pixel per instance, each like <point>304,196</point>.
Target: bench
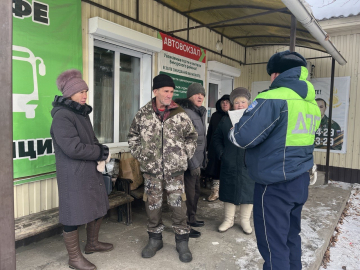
<point>47,220</point>
<point>138,193</point>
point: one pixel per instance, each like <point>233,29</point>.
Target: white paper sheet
<point>235,116</point>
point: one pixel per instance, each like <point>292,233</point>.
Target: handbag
<point>107,181</point>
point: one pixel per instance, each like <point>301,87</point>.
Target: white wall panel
<point>34,197</point>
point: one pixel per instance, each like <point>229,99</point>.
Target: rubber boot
<point>229,217</point>
<point>92,243</point>
<point>214,191</point>
<point>76,259</point>
<point>245,214</point>
<point>155,243</point>
<point>182,247</point>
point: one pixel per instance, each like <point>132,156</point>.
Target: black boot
<point>182,247</point>
<point>155,244</point>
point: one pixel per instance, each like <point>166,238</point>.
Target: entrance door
<point>213,96</point>
<point>218,86</point>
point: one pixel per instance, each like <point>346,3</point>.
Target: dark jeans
<point>192,191</point>
<point>277,222</point>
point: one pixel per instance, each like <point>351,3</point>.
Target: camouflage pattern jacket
<point>162,147</point>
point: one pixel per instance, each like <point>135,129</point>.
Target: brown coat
<point>82,194</point>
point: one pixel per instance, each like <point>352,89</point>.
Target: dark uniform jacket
<point>278,129</point>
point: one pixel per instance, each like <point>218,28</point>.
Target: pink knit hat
<point>70,82</point>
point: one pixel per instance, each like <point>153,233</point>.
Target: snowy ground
<point>345,252</point>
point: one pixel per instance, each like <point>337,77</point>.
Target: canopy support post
<point>7,231</point>
<point>330,120</point>
<point>293,33</point>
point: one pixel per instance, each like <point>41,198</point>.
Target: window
<point>122,84</point>
<point>213,98</point>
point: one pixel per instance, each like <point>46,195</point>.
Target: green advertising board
<point>181,84</point>
<point>46,41</point>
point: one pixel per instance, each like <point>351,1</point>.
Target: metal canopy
<point>261,23</point>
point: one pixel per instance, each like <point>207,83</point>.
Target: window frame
<point>146,64</point>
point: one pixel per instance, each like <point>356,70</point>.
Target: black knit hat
<point>162,80</point>
<point>283,61</point>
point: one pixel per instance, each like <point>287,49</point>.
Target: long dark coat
<point>235,184</point>
<point>214,164</point>
<point>82,194</point>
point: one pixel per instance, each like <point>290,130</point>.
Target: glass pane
<point>104,94</point>
<point>129,93</point>
<point>213,97</point>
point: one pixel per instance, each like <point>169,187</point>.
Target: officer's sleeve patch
<point>252,106</point>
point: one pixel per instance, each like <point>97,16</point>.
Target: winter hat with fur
<point>239,92</point>
<point>195,88</point>
<point>70,82</point>
<point>283,61</point>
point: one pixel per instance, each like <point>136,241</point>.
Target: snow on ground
<point>252,256</point>
<point>346,252</point>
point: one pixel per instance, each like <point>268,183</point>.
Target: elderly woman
<point>236,187</point>
<point>82,195</point>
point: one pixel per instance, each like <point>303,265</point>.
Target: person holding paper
<point>278,131</point>
<point>236,187</point>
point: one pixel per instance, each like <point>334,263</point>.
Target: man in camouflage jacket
<point>163,139</point>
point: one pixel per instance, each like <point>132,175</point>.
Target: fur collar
<point>185,103</point>
<point>71,105</point>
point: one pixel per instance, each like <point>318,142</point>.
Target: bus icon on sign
<point>20,101</point>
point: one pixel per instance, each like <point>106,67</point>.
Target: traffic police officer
<point>277,131</point>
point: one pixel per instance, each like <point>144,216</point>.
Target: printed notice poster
<point>183,62</point>
<point>339,113</point>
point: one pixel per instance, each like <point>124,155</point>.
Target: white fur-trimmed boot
<point>229,217</point>
<point>245,214</point>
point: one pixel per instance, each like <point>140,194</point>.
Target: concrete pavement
<point>213,250</point>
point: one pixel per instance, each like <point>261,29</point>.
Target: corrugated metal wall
<point>160,17</point>
<point>349,46</point>
<point>35,197</point>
